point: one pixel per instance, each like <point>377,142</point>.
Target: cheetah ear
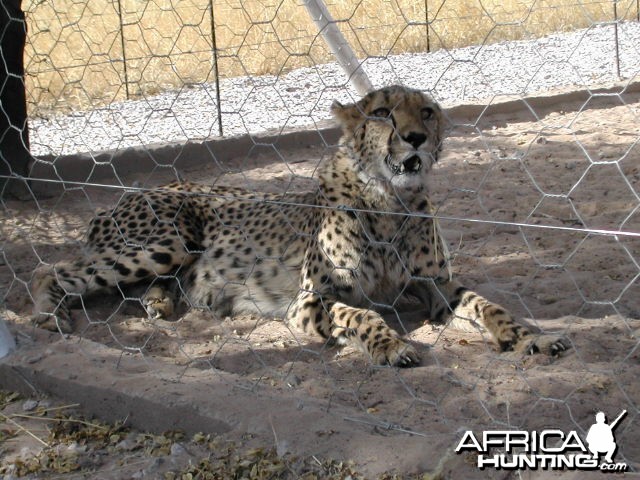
<point>349,116</point>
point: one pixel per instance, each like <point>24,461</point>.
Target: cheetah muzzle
<point>324,270</point>
<point>410,166</point>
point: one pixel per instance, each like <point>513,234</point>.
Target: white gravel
<point>300,98</point>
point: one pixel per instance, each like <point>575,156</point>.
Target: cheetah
<point>327,261</point>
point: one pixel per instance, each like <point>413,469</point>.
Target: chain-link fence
<point>536,192</point>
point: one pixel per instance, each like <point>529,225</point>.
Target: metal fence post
<point>617,41</point>
<point>214,46</point>
<point>426,21</point>
<point>124,52</point>
<point>343,52</point>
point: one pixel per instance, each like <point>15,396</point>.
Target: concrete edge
<point>155,395</point>
<point>116,167</point>
<point>572,100</point>
<point>152,394</point>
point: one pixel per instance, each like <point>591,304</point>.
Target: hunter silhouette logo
<point>550,449</point>
<point>600,437</point>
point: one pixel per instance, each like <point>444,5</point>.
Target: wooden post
<point>343,52</point>
<point>15,157</point>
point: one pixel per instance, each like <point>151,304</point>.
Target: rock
<point>35,358</point>
<point>29,405</point>
<point>177,449</point>
<point>74,449</point>
<point>7,342</point>
<point>128,443</point>
<point>302,97</point>
<point>151,470</point>
<point>293,381</point>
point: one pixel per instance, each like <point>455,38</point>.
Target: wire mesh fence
<point>536,193</point>
<point>84,56</point>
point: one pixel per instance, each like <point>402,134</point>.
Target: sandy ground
<point>516,194</point>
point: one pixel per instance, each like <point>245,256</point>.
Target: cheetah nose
<point>415,139</point>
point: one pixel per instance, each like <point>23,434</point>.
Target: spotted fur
<point>326,261</point>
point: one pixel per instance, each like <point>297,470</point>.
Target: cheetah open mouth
<point>409,166</point>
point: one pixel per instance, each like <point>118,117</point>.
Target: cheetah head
<point>395,134</point>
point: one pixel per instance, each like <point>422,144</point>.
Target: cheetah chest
<point>366,255</point>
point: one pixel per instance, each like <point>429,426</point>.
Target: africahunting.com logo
<point>550,449</point>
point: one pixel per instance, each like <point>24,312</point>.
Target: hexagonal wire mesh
<point>537,193</point>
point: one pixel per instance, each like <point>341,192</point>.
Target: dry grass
<point>75,56</point>
<point>57,442</point>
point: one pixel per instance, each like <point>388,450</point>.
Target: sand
<point>524,202</point>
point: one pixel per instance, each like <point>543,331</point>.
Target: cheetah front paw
<point>158,305</point>
<point>58,322</point>
<point>547,344</point>
<point>50,309</point>
<point>395,352</point>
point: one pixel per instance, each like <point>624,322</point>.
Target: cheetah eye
<point>381,113</point>
<point>427,113</point>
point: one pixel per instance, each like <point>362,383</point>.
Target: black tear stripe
<point>460,291</point>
